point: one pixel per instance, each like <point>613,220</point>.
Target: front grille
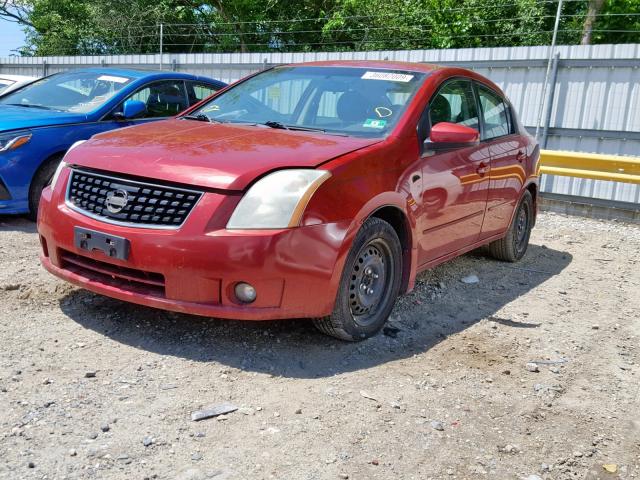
<point>130,202</point>
<point>125,278</point>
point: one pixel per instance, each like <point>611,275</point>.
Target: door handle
<point>482,169</point>
<point>521,156</point>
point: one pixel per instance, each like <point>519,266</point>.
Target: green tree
<point>76,27</point>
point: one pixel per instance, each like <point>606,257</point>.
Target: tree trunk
<point>594,8</point>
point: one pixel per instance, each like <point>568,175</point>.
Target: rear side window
<point>494,114</point>
<point>198,92</point>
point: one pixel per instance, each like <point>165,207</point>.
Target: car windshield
<point>339,100</point>
<point>79,92</point>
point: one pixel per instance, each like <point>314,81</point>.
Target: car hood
<point>15,118</point>
<point>210,155</point>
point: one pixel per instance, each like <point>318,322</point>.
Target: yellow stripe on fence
<point>590,165</point>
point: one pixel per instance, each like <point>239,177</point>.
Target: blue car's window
<point>163,99</point>
<point>4,84</point>
<point>79,92</point>
<point>199,91</point>
<point>343,100</point>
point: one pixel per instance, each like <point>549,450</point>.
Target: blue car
<point>41,121</point>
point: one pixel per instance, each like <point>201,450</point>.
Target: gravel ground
<point>94,388</point>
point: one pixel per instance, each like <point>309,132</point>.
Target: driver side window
<point>163,99</point>
<point>454,103</point>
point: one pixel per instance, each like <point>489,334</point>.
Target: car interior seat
<point>440,110</point>
<point>352,107</point>
<point>165,100</point>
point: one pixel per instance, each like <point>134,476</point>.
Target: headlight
<point>62,165</point>
<point>277,200</point>
<point>11,141</point>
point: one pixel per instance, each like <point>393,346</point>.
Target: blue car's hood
<point>12,118</point>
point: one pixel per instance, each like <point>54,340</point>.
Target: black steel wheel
<point>513,246</point>
<point>369,284</point>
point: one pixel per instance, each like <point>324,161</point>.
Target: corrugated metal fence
<point>596,103</point>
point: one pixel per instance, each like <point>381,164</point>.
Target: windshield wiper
<point>201,117</point>
<point>280,125</point>
<point>275,124</point>
<point>29,105</point>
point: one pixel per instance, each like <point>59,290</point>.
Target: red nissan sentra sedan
<point>314,190</point>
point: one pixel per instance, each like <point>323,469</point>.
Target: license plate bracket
<point>111,245</point>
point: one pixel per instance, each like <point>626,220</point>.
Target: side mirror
<point>132,109</point>
<point>446,136</point>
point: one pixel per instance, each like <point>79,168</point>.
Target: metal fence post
<point>174,65</point>
<point>161,43</point>
<point>546,77</point>
<point>552,93</point>
<point>44,68</point>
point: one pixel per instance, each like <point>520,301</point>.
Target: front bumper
<point>194,269</point>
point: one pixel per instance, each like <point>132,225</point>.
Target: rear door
<point>454,182</point>
<point>508,155</point>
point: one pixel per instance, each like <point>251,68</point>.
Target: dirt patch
<point>95,388</point>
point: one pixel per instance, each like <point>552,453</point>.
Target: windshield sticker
<point>383,112</point>
<point>389,76</point>
<point>373,123</point>
<point>111,78</point>
<point>273,92</point>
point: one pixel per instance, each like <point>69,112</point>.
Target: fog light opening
<point>245,293</point>
<point>45,249</point>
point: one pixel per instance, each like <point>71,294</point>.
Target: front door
<point>456,181</point>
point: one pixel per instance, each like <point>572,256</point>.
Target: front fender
<point>371,208</point>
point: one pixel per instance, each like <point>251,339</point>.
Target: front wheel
<point>41,179</point>
<point>369,284</point>
<point>513,245</point>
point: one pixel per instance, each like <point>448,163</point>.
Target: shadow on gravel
<point>293,348</point>
<point>16,223</point>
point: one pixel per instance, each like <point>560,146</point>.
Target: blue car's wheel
<point>41,179</point>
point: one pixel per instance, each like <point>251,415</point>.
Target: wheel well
<point>397,219</point>
<point>56,157</point>
<point>533,189</point>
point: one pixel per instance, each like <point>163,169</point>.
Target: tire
<point>513,245</point>
<point>41,179</point>
<point>369,284</point>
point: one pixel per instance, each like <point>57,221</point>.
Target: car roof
<point>379,64</point>
<point>427,68</point>
<point>146,74</point>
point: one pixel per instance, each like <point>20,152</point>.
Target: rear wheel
<point>41,179</point>
<point>513,245</point>
<point>369,284</point>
